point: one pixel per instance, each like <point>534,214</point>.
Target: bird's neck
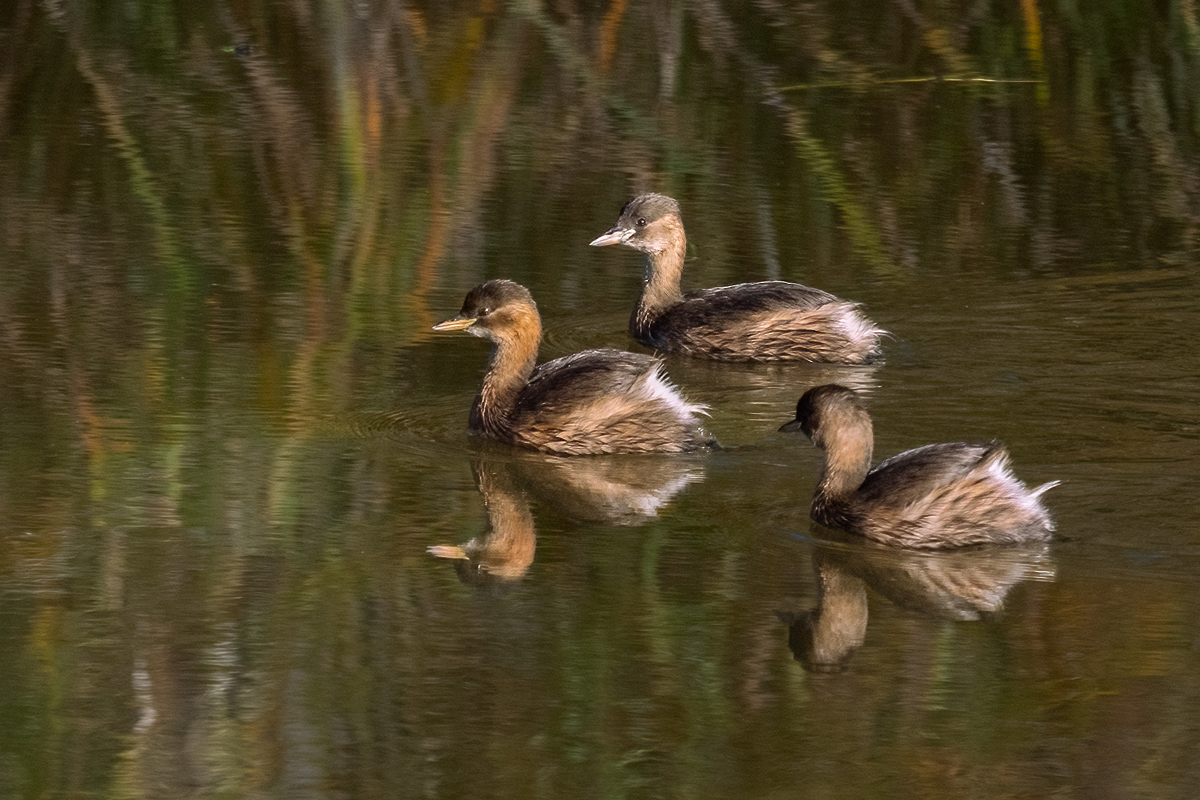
<point>508,371</point>
<point>847,462</point>
<point>660,281</point>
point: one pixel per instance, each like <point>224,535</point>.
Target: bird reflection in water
<point>614,490</point>
<point>505,551</point>
<point>961,585</point>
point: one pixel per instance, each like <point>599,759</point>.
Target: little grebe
<point>940,495</point>
<point>597,401</point>
<point>767,321</point>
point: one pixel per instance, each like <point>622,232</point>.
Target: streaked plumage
<point>593,402</point>
<point>940,495</point>
<point>768,321</point>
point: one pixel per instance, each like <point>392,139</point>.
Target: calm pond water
<point>234,475</point>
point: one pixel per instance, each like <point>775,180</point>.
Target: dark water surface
<point>229,438</point>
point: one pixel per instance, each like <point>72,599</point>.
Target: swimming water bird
<point>767,321</point>
<point>937,496</point>
<point>597,401</point>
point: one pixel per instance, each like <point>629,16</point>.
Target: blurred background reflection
<point>228,437</point>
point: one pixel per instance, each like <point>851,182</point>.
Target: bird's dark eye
<point>641,223</point>
<point>483,312</point>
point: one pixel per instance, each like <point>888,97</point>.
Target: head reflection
<point>505,550</point>
<point>613,490</point>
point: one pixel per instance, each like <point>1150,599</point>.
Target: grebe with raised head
<point>593,402</point>
<point>936,496</point>
<point>766,321</point>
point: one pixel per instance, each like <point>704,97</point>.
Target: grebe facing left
<point>767,321</point>
<point>594,402</point>
<point>937,496</point>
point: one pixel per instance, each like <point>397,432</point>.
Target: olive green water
<point>229,439</point>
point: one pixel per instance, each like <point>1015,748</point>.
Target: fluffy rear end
<point>989,505</point>
<point>836,332</point>
<point>632,408</point>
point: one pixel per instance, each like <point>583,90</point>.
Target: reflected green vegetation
<point>226,443</point>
